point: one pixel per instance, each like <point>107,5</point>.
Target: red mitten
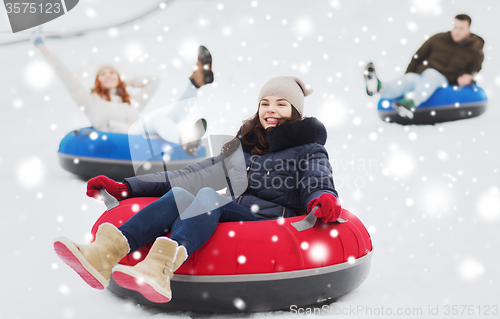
<point>117,190</point>
<point>328,207</point>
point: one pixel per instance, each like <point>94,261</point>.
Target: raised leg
<point>397,88</point>
<point>430,80</point>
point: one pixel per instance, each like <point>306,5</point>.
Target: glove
<point>37,37</point>
<point>329,208</point>
<point>117,190</point>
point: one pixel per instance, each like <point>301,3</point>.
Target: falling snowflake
<point>63,289</point>
<point>488,205</point>
<point>335,4</point>
<point>318,252</point>
<point>436,199</point>
<point>400,164</point>
<point>17,104</point>
<point>470,269</point>
<point>333,112</point>
<point>304,26</point>
<point>426,7</point>
<point>133,50</point>
<point>90,12</point>
<point>442,155</point>
<point>412,26</point>
<point>30,172</point>
<point>137,255</point>
<point>38,74</point>
<point>239,303</point>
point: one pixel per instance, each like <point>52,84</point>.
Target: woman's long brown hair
<point>104,93</point>
<point>259,146</point>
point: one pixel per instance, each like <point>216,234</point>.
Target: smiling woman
<point>259,188</point>
<point>108,105</point>
<point>281,100</point>
<point>271,109</point>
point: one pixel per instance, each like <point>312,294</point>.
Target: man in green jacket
<point>448,58</point>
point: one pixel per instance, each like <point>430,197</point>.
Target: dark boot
<point>190,137</point>
<point>404,107</point>
<point>203,75</point>
<point>373,84</point>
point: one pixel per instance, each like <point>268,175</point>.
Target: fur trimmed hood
<point>291,134</point>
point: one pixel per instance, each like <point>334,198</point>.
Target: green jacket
<point>451,59</point>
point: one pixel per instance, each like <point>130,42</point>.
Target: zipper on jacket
<point>248,179</point>
<point>249,172</point>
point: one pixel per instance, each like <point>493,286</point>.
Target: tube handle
<point>109,200</point>
<point>309,221</point>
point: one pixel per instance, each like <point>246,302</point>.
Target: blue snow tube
<point>87,153</point>
<point>446,104</point>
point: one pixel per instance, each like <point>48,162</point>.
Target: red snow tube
<point>260,266</point>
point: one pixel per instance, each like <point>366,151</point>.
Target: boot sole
<point>192,148</point>
<point>70,254</point>
<point>369,75</point>
<point>403,112</point>
<point>204,56</point>
<point>131,279</point>
<point>208,76</point>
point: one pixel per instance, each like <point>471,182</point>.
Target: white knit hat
<point>290,88</point>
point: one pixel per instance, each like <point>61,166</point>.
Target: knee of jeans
<point>430,70</point>
<point>181,193</point>
<point>411,76</point>
<point>207,191</point>
<point>179,190</point>
<point>432,73</point>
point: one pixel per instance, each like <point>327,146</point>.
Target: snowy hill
<point>429,195</point>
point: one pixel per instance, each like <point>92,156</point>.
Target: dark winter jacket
<point>450,58</point>
<point>280,183</point>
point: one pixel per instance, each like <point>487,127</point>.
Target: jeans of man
<point>191,220</point>
<point>418,87</point>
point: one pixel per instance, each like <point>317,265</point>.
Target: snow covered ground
<point>428,195</point>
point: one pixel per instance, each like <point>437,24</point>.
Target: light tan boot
<point>151,277</point>
<point>93,262</point>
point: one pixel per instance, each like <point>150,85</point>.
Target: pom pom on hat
<point>290,88</point>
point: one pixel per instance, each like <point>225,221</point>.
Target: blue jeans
<point>418,87</point>
<point>164,215</point>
